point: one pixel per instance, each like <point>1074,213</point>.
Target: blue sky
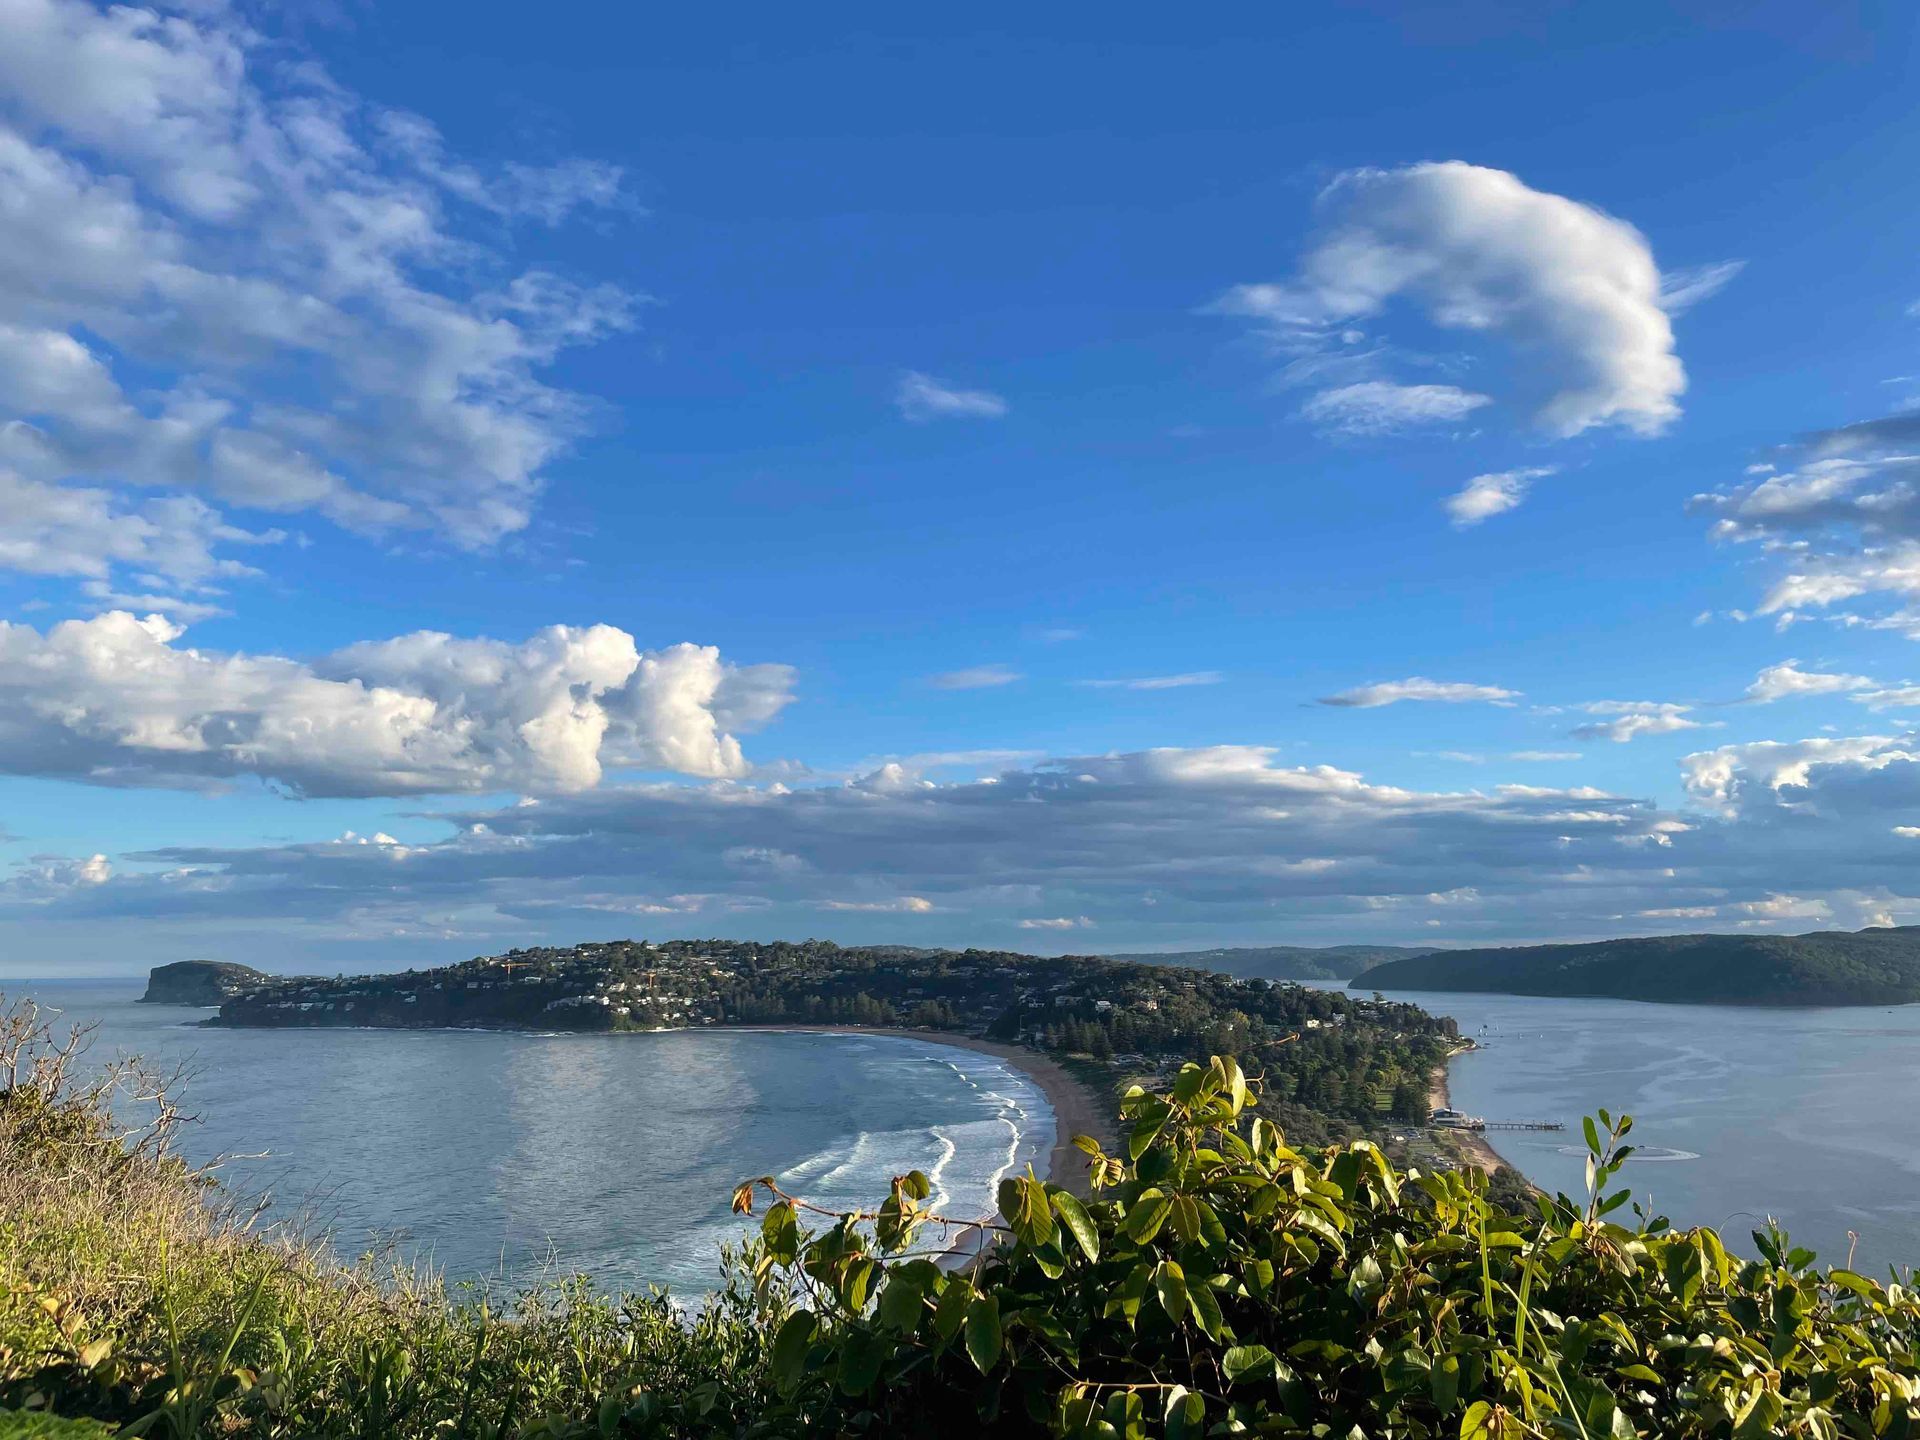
<point>965,462</point>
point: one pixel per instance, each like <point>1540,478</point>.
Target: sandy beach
<point>1471,1145</point>
<point>1076,1109</point>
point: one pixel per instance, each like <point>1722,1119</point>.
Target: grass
<point>133,1291</point>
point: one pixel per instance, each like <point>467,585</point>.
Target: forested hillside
<point>1831,967</point>
<point>1280,962</point>
<point>1324,1054</point>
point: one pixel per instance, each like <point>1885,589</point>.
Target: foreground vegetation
<point>1219,1281</point>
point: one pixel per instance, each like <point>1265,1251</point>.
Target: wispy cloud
<point>1485,496</point>
<point>1681,290</point>
<point>1786,681</point>
<point>1418,687</point>
<point>1376,407</point>
<point>1159,682</point>
<point>920,396</point>
<point>974,677</point>
<point>1630,719</point>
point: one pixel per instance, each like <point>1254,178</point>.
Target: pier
<point>1521,1125</point>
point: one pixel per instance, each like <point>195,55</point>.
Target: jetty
<point>1446,1119</point>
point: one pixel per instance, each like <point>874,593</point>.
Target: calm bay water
<point>1810,1116</point>
<point>483,1152</point>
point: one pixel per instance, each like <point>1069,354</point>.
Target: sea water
<point>1807,1116</point>
<point>488,1153</point>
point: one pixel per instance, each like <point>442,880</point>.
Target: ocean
<point>489,1154</point>
<point>1808,1116</point>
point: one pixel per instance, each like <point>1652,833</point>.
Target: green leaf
<point>951,1309</point>
<point>1185,1217</point>
<point>1206,1311</point>
<point>1244,1361</point>
<point>1146,1217</point>
<point>790,1347</point>
<point>1445,1382</point>
<point>1170,1284</point>
<point>1473,1424</point>
<point>1079,1224</point>
<point>1593,1135</point>
<point>983,1333</point>
<point>1023,1201</point>
<point>1186,1415</point>
<point>861,1354</point>
<point>902,1302</point>
<point>1142,1136</point>
<point>780,1233</point>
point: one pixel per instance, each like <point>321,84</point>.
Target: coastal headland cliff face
<point>201,982</point>
<point>1879,966</point>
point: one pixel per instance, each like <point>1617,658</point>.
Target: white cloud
<point>1786,681</point>
<point>45,878</point>
<point>1634,718</point>
<point>117,701</point>
<point>1375,407</point>
<point>1681,290</point>
<point>1842,524</point>
<point>920,396</point>
<point>222,273</point>
<point>1416,687</point>
<point>1061,922</point>
<point>1485,496</point>
<point>1574,292</point>
<point>1160,682</point>
<point>905,905</point>
<point>1545,755</point>
<point>1785,907</point>
<point>975,677</point>
<point>1893,697</point>
<point>90,532</point>
<point>1742,775</point>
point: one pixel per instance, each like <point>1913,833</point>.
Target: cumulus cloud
<point>920,397</point>
<point>224,275</point>
<point>1375,407</point>
<point>1485,496</point>
<point>975,677</point>
<point>1574,293</point>
<point>1630,719</point>
<point>117,700</point>
<point>1758,774</point>
<point>1416,687</point>
<point>43,879</point>
<point>1786,681</point>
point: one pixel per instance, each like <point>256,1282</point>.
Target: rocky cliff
<point>201,982</point>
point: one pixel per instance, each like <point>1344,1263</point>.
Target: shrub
<point>1223,1283</point>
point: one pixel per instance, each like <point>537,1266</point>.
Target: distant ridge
<point>1828,967</point>
<point>1279,962</point>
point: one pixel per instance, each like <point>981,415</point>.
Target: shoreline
<point>1077,1110</point>
<point>1470,1145</point>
